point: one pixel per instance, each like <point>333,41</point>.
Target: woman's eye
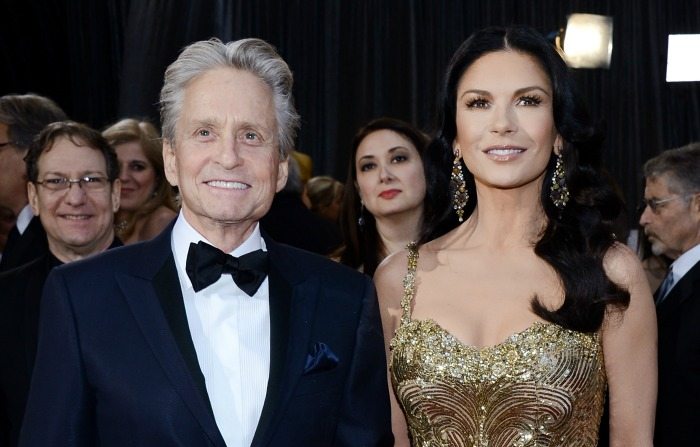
<point>399,159</point>
<point>367,167</point>
<point>203,132</point>
<point>529,101</point>
<point>251,136</point>
<point>137,166</point>
<point>477,103</point>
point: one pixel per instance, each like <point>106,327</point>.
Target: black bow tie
<point>206,264</point>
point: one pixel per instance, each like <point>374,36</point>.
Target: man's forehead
<point>225,96</point>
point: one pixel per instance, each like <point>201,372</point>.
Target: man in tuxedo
<point>21,119</point>
<point>671,221</point>
<point>74,189</point>
<point>212,334</point>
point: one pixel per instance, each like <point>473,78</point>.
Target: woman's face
<point>137,175</point>
<point>390,177</point>
<point>505,123</point>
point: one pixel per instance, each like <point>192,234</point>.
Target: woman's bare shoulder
<point>622,265</point>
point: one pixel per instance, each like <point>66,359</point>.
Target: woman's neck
<point>506,217</point>
<point>397,230</point>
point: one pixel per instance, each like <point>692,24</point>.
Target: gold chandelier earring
<point>458,186</point>
<point>558,192</point>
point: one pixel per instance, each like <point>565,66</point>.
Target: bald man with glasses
<point>671,222</point>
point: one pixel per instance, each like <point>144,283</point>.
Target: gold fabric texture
<point>541,387</point>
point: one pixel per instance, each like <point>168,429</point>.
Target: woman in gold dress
<point>506,330</point>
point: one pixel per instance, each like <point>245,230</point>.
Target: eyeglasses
<point>88,183</point>
<point>656,204</point>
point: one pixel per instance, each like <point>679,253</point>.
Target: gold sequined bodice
<point>541,387</point>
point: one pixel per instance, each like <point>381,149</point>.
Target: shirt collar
<point>24,218</point>
<point>685,262</point>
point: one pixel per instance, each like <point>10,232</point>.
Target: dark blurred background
<point>353,60</point>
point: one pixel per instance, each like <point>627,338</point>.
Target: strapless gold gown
<point>541,387</point>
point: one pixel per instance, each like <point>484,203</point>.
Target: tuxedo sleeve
<point>365,418</point>
<point>60,408</point>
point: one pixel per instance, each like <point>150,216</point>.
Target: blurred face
<point>673,226</point>
<point>13,177</point>
<point>138,177</point>
<point>505,124</point>
<point>225,159</point>
<point>390,177</point>
<point>77,220</point>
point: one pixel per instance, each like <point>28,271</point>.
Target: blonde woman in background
<point>324,195</point>
<point>147,201</point>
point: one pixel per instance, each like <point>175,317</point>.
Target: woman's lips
<point>504,153</point>
<point>389,193</point>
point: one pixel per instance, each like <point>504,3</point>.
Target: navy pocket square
<point>321,358</point>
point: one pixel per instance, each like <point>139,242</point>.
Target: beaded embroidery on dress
<point>541,387</point>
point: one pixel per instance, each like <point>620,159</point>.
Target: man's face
<point>225,157</point>
<point>13,174</point>
<point>674,226</point>
<point>77,220</point>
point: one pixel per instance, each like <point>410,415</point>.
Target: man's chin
<point>658,249</point>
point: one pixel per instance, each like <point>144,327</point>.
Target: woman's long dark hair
<point>362,244</point>
<point>575,239</point>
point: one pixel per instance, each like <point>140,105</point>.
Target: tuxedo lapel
<point>293,299</point>
<point>162,327</point>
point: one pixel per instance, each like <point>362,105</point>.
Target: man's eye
<point>251,136</point>
<point>203,132</point>
<point>55,181</point>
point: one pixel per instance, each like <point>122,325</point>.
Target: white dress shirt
<point>683,264</point>
<point>231,335</point>
<point>23,218</point>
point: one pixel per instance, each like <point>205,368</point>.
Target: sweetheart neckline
<point>509,339</point>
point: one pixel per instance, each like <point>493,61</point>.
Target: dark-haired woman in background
<point>505,330</point>
<point>385,193</point>
<point>147,200</point>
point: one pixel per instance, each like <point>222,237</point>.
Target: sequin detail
<point>543,386</point>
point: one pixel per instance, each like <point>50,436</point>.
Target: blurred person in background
<point>671,221</point>
<point>74,190</point>
<point>290,222</point>
<point>324,196</point>
<point>21,119</point>
<point>147,199</point>
<point>385,193</point>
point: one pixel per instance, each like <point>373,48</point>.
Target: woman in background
<point>505,330</point>
<point>385,193</point>
<point>324,196</point>
<point>147,200</point>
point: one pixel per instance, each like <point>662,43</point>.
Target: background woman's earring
<point>361,219</point>
<point>459,186</point>
<point>558,192</point>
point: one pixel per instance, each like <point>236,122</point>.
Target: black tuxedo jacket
<point>20,298</point>
<point>20,295</point>
<point>678,404</point>
<point>23,248</point>
<point>116,365</point>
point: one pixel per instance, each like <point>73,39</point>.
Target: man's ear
<point>116,194</point>
<point>282,173</point>
<point>33,196</point>
<point>170,162</point>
